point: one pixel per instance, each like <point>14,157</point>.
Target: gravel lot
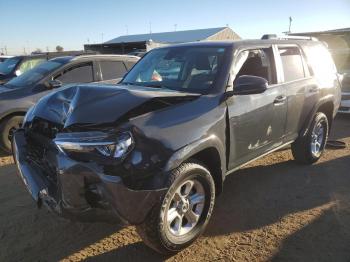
<point>271,210</point>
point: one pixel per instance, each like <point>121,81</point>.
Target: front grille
<point>41,149</point>
<point>45,128</point>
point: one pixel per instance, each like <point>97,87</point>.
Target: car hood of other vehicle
<point>98,104</point>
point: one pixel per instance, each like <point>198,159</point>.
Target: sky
<point>31,24</point>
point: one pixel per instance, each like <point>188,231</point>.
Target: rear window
<point>292,63</point>
<point>321,62</point>
<point>112,69</point>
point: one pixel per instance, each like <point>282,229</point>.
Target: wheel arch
<point>325,106</point>
<point>11,113</point>
<point>210,152</point>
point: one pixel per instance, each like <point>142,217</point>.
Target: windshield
<point>34,75</point>
<point>8,65</point>
<point>181,68</point>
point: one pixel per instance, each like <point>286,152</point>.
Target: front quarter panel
<point>168,137</point>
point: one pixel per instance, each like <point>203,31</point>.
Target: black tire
<point>155,231</point>
<point>301,148</point>
<point>7,127</point>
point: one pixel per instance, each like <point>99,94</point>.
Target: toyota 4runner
<point>154,150</point>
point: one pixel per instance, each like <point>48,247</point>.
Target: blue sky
<point>47,23</point>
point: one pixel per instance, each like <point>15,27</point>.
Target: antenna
<point>127,29</point>
<point>150,27</point>
<point>175,27</point>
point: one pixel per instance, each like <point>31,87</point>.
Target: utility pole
<point>290,24</point>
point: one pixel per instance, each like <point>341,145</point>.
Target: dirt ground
<point>272,210</point>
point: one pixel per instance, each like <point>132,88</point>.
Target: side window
<point>112,69</point>
<point>292,63</point>
<point>29,64</point>
<point>129,64</point>
<point>257,62</point>
<point>82,73</point>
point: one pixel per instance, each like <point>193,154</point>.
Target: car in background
<point>22,92</point>
<point>139,53</point>
<point>4,57</point>
<point>345,100</point>
<point>17,65</point>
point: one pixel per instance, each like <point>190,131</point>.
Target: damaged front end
<point>84,170</point>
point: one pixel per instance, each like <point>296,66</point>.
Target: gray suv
<point>154,150</point>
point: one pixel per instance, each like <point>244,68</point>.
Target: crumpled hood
<point>96,104</point>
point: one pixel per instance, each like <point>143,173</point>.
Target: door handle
<point>280,100</point>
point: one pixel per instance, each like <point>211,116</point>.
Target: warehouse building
<point>145,42</point>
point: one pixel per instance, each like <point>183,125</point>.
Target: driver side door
<point>257,121</point>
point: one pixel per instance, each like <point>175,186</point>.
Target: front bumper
<point>345,103</point>
<point>80,190</point>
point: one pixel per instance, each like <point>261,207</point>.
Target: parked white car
<point>345,101</point>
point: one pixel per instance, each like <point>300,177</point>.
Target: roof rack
<point>288,37</point>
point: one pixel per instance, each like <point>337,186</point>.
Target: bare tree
<point>59,48</point>
<point>37,51</point>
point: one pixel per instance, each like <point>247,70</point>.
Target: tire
<point>304,149</point>
<point>169,238</point>
<point>7,127</point>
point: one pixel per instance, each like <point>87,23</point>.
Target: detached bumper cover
<point>76,183</point>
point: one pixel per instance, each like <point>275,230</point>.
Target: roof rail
<point>288,37</point>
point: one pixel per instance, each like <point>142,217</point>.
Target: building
<point>145,42</point>
<point>338,42</point>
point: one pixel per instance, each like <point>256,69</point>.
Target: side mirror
<point>54,84</point>
<point>248,85</point>
<point>18,72</point>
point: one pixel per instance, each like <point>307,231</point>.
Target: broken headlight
<point>105,144</point>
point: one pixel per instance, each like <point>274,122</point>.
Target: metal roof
<point>337,31</point>
<point>169,37</point>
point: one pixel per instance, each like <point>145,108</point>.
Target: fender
<point>308,121</point>
<point>184,153</point>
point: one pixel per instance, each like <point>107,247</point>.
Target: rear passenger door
<point>301,89</point>
<point>112,71</point>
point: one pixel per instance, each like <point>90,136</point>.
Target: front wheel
<point>183,213</point>
<point>308,149</point>
<point>7,128</point>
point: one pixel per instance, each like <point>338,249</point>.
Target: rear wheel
<point>184,211</point>
<point>7,128</point>
<point>309,149</point>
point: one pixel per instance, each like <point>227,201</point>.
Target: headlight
<point>105,144</point>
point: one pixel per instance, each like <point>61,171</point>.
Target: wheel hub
<point>185,207</point>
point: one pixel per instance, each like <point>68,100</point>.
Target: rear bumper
<point>345,103</point>
<point>80,190</point>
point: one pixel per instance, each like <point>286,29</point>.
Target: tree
<point>59,48</point>
<point>38,51</point>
